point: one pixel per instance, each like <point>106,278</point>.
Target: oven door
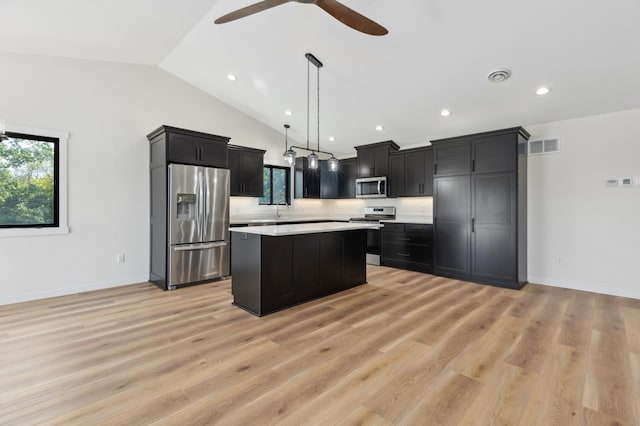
<point>375,187</point>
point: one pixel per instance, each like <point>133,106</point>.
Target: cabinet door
<point>331,246</point>
<point>354,268</point>
<point>183,149</point>
<point>251,174</point>
<point>493,234</point>
<point>328,181</point>
<point>366,160</point>
<point>312,183</point>
<point>347,171</point>
<point>306,180</point>
<point>396,182</point>
<point>452,208</point>
<point>213,153</point>
<point>452,158</point>
<point>494,154</point>
<point>427,188</point>
<point>381,161</point>
<point>414,173</point>
<point>278,286</point>
<point>234,169</point>
<point>306,266</point>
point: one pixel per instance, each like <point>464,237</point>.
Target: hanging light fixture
<point>314,160</point>
<point>3,129</point>
<point>289,154</point>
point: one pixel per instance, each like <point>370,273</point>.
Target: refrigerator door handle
<point>201,246</point>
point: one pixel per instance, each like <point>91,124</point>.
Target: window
<point>33,182</point>
<point>276,185</point>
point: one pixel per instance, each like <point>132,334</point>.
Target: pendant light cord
<point>318,109</point>
<point>308,91</point>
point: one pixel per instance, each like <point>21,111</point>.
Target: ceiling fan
<point>334,8</point>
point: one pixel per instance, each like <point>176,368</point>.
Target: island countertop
<point>302,228</point>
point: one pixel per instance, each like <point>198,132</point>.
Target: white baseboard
<point>7,300</point>
<point>594,288</point>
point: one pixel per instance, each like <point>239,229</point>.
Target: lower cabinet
<point>273,273</point>
<point>407,246</point>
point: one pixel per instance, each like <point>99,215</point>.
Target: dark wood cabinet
<point>373,159</point>
<point>174,145</point>
<point>411,173</point>
<point>315,183</point>
<point>454,159</point>
<point>272,273</point>
<point>328,181</point>
<point>189,147</point>
<point>480,204</point>
<point>395,181</point>
<point>452,211</point>
<point>407,246</point>
<point>246,166</point>
<point>347,172</point>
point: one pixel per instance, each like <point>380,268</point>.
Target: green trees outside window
<point>28,181</point>
<point>276,185</point>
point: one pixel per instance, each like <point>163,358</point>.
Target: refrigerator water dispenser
<point>186,207</point>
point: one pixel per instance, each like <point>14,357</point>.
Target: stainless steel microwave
<point>373,187</point>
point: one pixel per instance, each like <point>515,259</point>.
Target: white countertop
<point>302,228</point>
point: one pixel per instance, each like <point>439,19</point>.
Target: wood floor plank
<point>557,394</point>
<point>406,348</point>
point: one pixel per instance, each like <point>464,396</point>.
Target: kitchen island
<point>275,267</point>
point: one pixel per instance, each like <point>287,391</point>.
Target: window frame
<point>288,180</point>
<point>60,225</point>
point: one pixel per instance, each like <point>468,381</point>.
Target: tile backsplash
<point>414,206</point>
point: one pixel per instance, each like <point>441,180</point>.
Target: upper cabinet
<point>316,183</point>
<point>411,173</point>
<point>484,153</point>
<point>373,159</point>
<point>246,166</point>
<point>175,145</point>
<point>347,173</point>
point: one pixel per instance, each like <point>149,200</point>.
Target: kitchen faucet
<point>280,204</point>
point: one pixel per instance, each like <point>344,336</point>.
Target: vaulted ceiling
<point>436,56</point>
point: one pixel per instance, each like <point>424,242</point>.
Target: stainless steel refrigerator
<point>198,224</point>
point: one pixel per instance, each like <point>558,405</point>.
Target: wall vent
<point>546,146</point>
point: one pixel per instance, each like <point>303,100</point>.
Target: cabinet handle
<point>473,224</point>
<point>435,168</point>
<point>403,254</point>
<point>404,239</point>
<point>473,165</point>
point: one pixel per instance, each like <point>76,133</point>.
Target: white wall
<point>572,215</point>
<point>108,110</point>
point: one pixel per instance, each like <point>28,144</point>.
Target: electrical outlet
<point>120,258</point>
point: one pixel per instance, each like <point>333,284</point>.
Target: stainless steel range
<point>374,215</point>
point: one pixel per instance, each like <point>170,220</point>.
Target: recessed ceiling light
<point>288,112</point>
<point>445,113</point>
<point>332,139</point>
<point>232,77</point>
<point>379,128</point>
<point>499,75</point>
<point>542,91</point>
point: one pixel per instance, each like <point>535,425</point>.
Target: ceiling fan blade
<point>351,18</point>
<point>250,10</point>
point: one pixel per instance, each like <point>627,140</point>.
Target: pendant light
<point>289,154</point>
<point>3,129</point>
<point>313,158</point>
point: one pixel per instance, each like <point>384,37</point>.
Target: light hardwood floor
<point>407,348</point>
